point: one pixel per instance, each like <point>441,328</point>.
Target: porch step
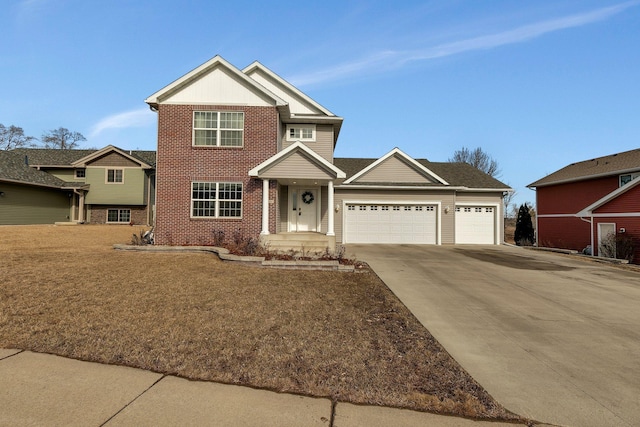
<point>299,242</point>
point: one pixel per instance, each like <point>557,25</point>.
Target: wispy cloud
<point>141,117</point>
<point>27,9</point>
<point>389,59</point>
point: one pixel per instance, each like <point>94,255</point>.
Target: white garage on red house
<point>397,199</point>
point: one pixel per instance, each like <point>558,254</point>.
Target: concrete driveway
<point>552,338</point>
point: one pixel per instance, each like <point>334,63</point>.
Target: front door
<point>303,209</point>
<point>607,239</point>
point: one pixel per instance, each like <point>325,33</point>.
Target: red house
<point>586,202</point>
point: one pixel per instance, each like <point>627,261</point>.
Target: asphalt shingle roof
<point>56,157</point>
<point>456,174</point>
<point>14,168</point>
<point>601,166</point>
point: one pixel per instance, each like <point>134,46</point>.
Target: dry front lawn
<point>64,290</point>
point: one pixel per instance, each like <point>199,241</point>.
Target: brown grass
<point>64,290</point>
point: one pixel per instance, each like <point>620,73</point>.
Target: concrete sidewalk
<point>42,389</point>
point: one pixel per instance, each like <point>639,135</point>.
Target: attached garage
<point>475,225</point>
<point>412,223</point>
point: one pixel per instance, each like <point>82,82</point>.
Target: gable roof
<point>52,157</point>
<point>609,197</point>
<point>82,162</point>
<point>410,162</point>
<point>256,68</point>
<point>202,71</point>
<point>455,174</point>
<point>612,164</point>
<point>298,147</point>
<point>14,169</point>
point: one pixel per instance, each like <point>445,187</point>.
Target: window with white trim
<point>80,173</point>
<point>627,178</point>
<point>122,216</point>
<point>305,133</point>
<point>216,199</point>
<point>115,176</point>
<point>218,128</point>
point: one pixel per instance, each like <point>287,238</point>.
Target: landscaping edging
<point>224,255</point>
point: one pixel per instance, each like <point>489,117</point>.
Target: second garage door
<point>393,223</point>
<point>475,225</point>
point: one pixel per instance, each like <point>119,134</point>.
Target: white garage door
<point>475,225</point>
<point>374,223</point>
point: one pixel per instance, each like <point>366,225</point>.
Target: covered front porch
<point>304,205</point>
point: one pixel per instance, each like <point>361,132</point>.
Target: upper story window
<point>624,179</point>
<point>301,133</point>
<point>218,128</point>
<point>115,176</point>
<point>80,173</point>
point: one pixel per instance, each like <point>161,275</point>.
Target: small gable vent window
<point>305,133</point>
<point>625,179</point>
<point>80,173</point>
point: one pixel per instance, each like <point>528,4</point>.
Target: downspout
<point>590,222</point>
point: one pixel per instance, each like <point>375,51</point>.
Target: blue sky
<point>537,85</point>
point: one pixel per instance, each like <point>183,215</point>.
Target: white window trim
<point>106,176</point>
<point>301,139</point>
<point>218,129</point>
<point>216,201</point>
<point>118,221</point>
<point>633,176</point>
<point>75,173</point>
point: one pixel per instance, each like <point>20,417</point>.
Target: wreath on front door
<point>307,197</point>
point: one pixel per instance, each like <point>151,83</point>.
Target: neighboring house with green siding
<point>30,196</point>
<point>115,185</point>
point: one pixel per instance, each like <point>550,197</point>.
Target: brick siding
<point>179,164</point>
<point>99,214</point>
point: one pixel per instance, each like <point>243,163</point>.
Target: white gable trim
<point>109,148</point>
<point>257,65</point>
<point>588,211</point>
<point>409,159</point>
<point>202,70</point>
<point>297,146</point>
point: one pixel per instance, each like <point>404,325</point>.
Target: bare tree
<point>478,159</point>
<point>13,137</point>
<point>510,208</point>
<point>62,138</point>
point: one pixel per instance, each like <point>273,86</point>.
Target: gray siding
<point>296,165</point>
<point>394,170</point>
<point>23,204</point>
<point>323,144</point>
<point>446,198</point>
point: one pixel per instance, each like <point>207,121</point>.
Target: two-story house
<point>244,151</point>
<point>585,202</point>
<point>111,185</point>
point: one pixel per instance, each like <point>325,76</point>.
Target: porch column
<point>80,205</point>
<point>265,207</point>
<point>330,231</point>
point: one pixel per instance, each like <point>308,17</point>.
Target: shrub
<point>619,246</point>
<point>524,234</point>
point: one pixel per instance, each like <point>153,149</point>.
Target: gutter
<point>590,222</point>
